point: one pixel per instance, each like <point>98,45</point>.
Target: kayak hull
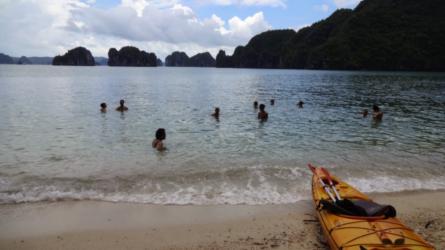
<point>344,232</point>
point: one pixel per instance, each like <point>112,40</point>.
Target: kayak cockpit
<point>359,208</point>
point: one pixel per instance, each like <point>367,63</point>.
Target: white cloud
<point>272,3</point>
<point>139,5</point>
<point>322,7</point>
<point>47,27</point>
<point>345,3</point>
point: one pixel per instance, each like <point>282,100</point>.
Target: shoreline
<point>109,225</point>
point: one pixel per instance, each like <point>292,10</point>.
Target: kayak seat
<point>362,208</point>
<point>375,209</point>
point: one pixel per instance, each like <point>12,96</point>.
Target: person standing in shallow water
<point>216,114</point>
<point>272,102</point>
<point>103,107</point>
<point>255,104</point>
<point>157,142</point>
<point>377,115</point>
<point>263,115</point>
<point>122,106</point>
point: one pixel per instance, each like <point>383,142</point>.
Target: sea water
<point>55,144</point>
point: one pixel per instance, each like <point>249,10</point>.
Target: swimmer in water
<point>157,142</point>
<point>255,104</point>
<point>300,104</point>
<point>122,107</point>
<point>216,114</point>
<point>103,107</point>
<point>263,115</point>
<point>377,115</point>
<point>272,102</point>
<point>365,113</point>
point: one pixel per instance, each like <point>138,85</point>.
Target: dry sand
<point>105,225</point>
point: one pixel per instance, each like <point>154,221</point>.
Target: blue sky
<point>51,27</point>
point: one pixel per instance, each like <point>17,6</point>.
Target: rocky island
<point>79,56</point>
<point>376,35</point>
<point>131,56</point>
<point>181,59</point>
<point>24,60</point>
<point>5,59</point>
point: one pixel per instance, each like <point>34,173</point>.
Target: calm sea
<point>56,145</point>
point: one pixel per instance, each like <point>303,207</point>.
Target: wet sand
<point>105,225</point>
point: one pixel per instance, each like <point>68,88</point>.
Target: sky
<point>51,27</point>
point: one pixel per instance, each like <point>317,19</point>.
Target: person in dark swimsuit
<point>157,142</point>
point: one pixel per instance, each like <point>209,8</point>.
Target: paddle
<point>331,183</point>
<point>325,187</point>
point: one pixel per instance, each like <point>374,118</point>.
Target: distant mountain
<point>40,60</point>
<point>159,62</point>
<point>263,51</point>
<point>102,61</point>
<point>23,60</point>
<point>131,56</point>
<point>376,35</point>
<point>176,59</point>
<point>202,60</point>
<point>181,59</point>
<point>79,56</point>
<point>5,59</point>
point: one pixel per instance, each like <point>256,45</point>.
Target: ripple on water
<point>66,136</point>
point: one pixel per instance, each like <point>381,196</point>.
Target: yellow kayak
<point>351,220</point>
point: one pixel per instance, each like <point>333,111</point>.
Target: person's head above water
<point>375,108</point>
<point>262,107</point>
<point>160,134</point>
<point>103,105</point>
<point>272,101</point>
<point>121,107</point>
<point>300,104</point>
<point>216,113</point>
<point>365,113</point>
<point>255,104</point>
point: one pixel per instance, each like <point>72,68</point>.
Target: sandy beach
<point>105,225</point>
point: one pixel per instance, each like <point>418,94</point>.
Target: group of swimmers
<point>262,114</point>
<point>377,114</point>
<point>160,135</point>
<point>120,108</point>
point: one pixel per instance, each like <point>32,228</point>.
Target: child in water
<point>157,142</point>
<point>103,107</point>
<point>263,115</point>
<point>255,104</point>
